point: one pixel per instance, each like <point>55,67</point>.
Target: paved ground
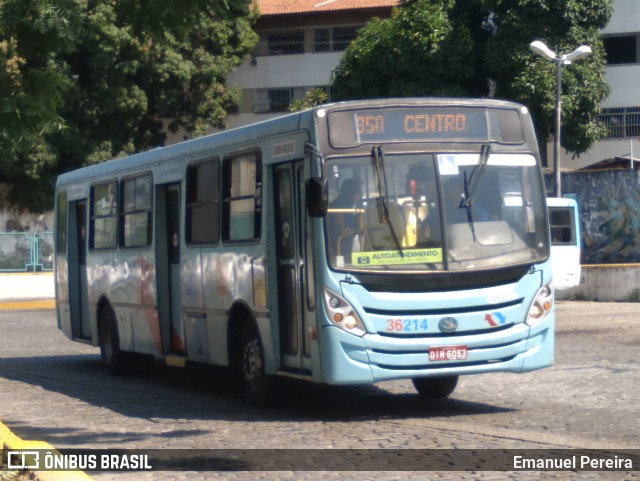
<point>53,389</point>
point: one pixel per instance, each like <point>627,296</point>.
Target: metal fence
<point>25,252</point>
<point>621,122</point>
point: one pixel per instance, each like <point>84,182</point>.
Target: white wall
<point>278,71</point>
<point>625,17</point>
<point>624,83</point>
<point>605,149</point>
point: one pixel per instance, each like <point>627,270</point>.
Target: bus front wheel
<point>109,340</point>
<point>435,387</point>
<point>254,378</point>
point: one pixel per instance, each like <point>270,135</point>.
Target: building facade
<point>621,110</point>
<point>301,43</point>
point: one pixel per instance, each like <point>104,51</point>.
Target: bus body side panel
<point>126,280</point>
<point>145,322</point>
<point>62,295</point>
<point>227,279</point>
<point>113,276</point>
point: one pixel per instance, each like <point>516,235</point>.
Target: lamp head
<point>541,49</point>
<point>581,52</point>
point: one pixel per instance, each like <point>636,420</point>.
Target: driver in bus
<point>421,216</point>
<point>343,225</point>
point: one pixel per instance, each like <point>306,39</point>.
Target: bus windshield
<point>434,211</point>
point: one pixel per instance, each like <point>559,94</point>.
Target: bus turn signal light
<point>342,314</point>
<point>541,305</point>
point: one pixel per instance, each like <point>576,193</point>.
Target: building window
<point>621,122</point>
<point>137,197</point>
<point>621,50</point>
<point>334,39</point>
<point>322,40</point>
<point>203,203</point>
<point>277,100</point>
<point>286,43</point>
<point>104,216</point>
<point>242,198</point>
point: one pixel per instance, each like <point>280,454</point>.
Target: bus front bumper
<point>348,359</point>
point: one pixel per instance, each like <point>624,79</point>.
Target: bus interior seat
<point>378,233</point>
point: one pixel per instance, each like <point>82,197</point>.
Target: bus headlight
<point>341,314</point>
<point>541,305</point>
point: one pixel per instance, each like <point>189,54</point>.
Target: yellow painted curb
<point>37,304</point>
<point>8,440</point>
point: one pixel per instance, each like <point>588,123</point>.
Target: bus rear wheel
<point>435,387</point>
<point>255,382</point>
<point>109,340</point>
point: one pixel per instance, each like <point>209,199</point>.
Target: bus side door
<point>169,285</point>
<point>290,238</point>
<point>77,274</point>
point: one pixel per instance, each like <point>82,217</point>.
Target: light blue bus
<point>352,243</point>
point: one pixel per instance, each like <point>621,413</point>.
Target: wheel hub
<point>252,363</point>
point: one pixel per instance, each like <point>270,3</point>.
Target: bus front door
<point>290,238</point>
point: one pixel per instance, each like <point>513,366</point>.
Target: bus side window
<point>203,201</point>
<point>104,217</point>
<point>242,197</point>
<point>136,211</point>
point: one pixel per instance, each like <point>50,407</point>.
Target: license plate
<point>447,353</point>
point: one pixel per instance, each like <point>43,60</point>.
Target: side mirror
<point>317,196</point>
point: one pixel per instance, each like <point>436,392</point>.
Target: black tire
<point>435,387</point>
<point>110,353</point>
<point>255,382</point>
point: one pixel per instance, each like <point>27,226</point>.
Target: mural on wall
<point>609,204</point>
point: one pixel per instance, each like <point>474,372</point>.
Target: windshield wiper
<point>471,185</point>
<point>378,157</point>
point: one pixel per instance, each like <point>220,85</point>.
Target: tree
<point>136,66</point>
<point>33,80</point>
<point>525,77</point>
<point>425,48</point>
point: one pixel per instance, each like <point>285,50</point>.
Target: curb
<point>8,440</point>
<point>27,305</point>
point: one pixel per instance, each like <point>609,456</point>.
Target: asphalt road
<point>53,389</point>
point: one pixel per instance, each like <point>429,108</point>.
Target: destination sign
<point>418,124</point>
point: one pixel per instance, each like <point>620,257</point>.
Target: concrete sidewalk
<point>27,290</point>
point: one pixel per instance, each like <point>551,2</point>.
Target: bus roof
<point>195,148</point>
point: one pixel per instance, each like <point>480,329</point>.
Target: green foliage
<point>84,81</point>
<point>524,76</point>
<point>312,98</point>
<point>423,49</point>
<point>33,81</point>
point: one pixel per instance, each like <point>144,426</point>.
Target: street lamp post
<point>541,49</point>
